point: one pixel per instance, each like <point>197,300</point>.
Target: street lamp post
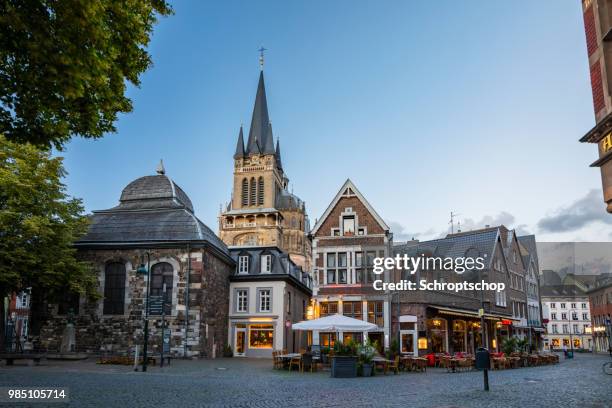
<point>484,343</point>
<point>146,270</point>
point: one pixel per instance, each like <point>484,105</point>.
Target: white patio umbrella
<point>335,323</point>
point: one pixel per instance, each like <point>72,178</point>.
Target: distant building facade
<point>154,217</point>
<point>529,254</point>
<point>268,293</point>
<point>600,300</point>
<point>262,211</point>
<point>17,324</point>
<point>566,312</point>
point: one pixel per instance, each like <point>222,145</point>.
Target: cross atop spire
<point>261,57</point>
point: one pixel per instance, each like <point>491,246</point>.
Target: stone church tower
<point>262,211</point>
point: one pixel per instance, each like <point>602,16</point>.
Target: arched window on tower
<point>245,192</point>
<point>252,192</point>
<point>260,191</point>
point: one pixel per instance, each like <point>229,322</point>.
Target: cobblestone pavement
<point>253,383</point>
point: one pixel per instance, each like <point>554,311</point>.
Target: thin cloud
<point>503,217</point>
<point>582,212</point>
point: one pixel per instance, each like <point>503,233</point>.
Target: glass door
<point>240,341</point>
<point>408,342</point>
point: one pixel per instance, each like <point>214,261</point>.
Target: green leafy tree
<point>65,65</point>
<point>39,223</point>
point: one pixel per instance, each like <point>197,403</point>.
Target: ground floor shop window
<point>437,334</point>
<point>474,336</point>
<point>327,339</point>
<point>555,343</point>
<point>377,340</point>
<point>577,343</point>
<point>357,337</point>
<point>261,336</point>
<point>566,342</point>
<point>458,339</point>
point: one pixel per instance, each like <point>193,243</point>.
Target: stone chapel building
<point>154,224</point>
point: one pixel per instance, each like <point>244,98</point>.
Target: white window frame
<point>246,300</point>
<point>243,264</point>
<point>265,295</point>
<point>266,263</point>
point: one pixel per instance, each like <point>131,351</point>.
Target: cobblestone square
<point>253,383</point>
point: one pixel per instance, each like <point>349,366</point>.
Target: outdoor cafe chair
<point>296,361</point>
<point>394,365</point>
<point>308,363</point>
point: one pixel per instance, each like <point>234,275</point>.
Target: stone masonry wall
<point>208,304</point>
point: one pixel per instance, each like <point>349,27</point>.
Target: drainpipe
<point>187,300</point>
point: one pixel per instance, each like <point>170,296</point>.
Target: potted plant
<point>508,346</point>
<point>344,360</point>
<point>227,351</point>
<point>325,355</point>
<point>366,354</point>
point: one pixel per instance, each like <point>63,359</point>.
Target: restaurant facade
<point>426,322</point>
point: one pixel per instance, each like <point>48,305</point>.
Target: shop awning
<point>470,313</point>
<point>335,322</point>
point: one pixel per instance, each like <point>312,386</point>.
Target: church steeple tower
<point>262,210</point>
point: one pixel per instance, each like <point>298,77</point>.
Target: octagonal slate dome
<point>154,191</point>
<point>151,209</point>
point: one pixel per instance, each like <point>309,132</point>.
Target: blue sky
<point>429,107</point>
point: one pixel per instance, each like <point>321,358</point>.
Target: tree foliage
<point>65,65</point>
<point>38,224</point>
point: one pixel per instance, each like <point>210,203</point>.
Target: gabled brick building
<point>346,239</point>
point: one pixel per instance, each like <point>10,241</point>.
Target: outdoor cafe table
<point>383,361</point>
<point>290,356</point>
<point>412,363</point>
<point>287,357</point>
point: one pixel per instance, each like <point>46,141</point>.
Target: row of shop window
<point>565,328</point>
<point>553,316</point>
<point>338,266</point>
<point>354,309</point>
<point>260,336</point>
<point>557,343</point>
<point>563,305</point>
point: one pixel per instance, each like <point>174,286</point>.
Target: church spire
<point>239,146</point>
<point>278,155</point>
<point>260,139</point>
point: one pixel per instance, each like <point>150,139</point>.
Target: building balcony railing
<point>249,225</point>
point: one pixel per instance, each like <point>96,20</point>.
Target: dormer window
<point>348,225</point>
<point>243,264</point>
<point>266,263</point>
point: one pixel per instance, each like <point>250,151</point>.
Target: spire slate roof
<point>260,134</point>
<point>239,146</point>
<point>279,163</point>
